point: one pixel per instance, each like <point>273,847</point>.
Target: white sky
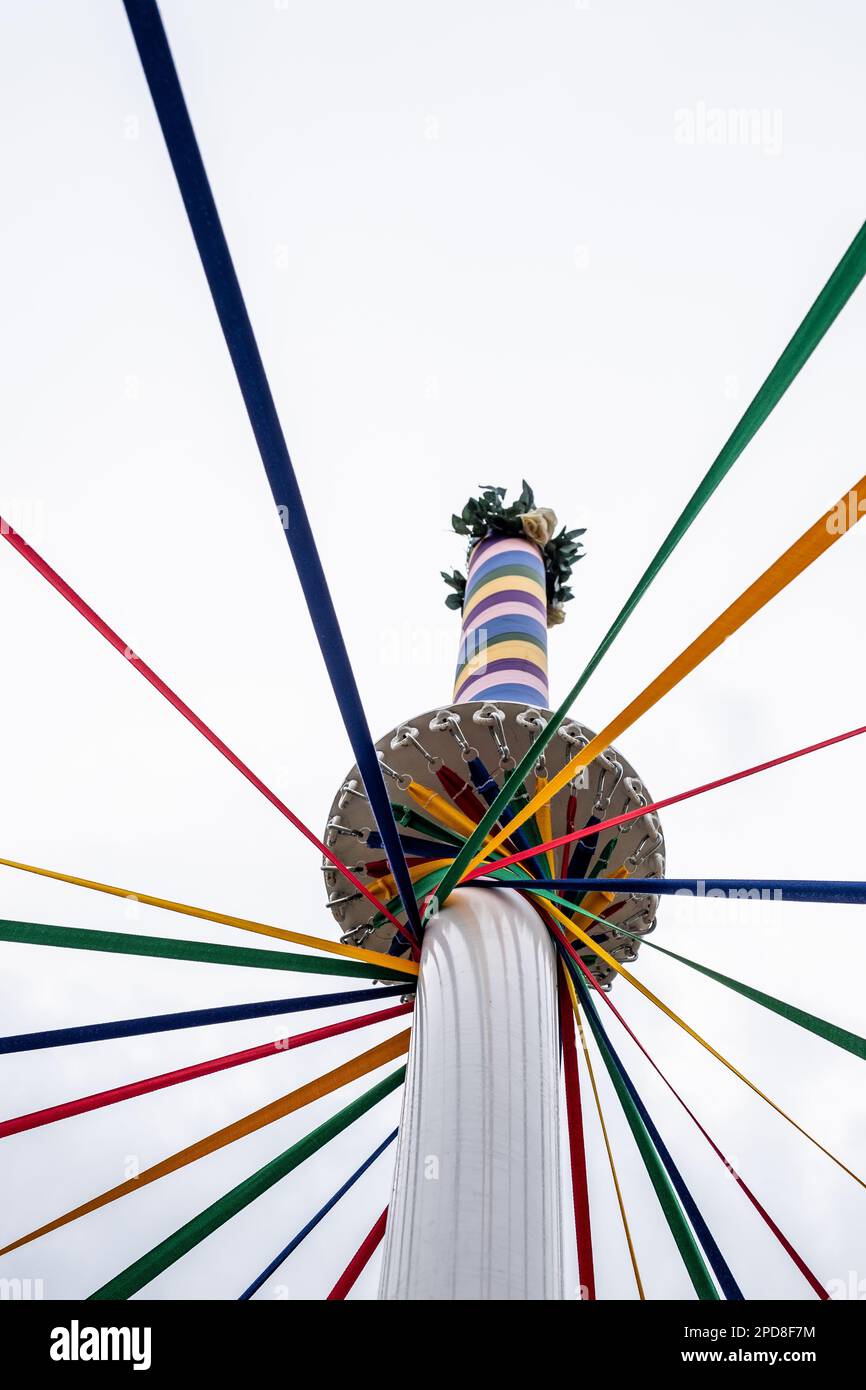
<point>473,250</point>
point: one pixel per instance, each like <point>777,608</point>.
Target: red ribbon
<point>461,793</point>
<point>762,1212</point>
<point>359,1260</point>
<point>174,1078</point>
<point>66,591</point>
<point>576,1145</point>
<point>660,805</point>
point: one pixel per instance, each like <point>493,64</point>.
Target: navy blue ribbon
<point>719,1265</point>
<point>162,79</point>
<point>193,1018</point>
<point>791,890</point>
<point>314,1221</point>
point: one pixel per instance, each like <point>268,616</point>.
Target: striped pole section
<point>503,644</point>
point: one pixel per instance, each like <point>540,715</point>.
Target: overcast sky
<point>478,242</point>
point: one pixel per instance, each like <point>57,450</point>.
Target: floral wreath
<point>487,515</point>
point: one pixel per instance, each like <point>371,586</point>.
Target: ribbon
<point>617,1189</point>
<point>729,1286</point>
<point>314,1221</point>
<point>168,948</point>
<point>826,308</point>
<point>578,866</point>
<point>673,1213</point>
<point>162,79</point>
<point>257,1119</point>
<point>461,792</point>
<point>360,1259</point>
<point>576,1144</point>
<point>318,943</point>
<point>66,591</point>
<point>192,1073</point>
<point>830,1032</point>
<point>604,955</point>
<point>162,1256</point>
<point>821,535</point>
<point>789,890</point>
<point>763,1213</point>
<point>191,1018</point>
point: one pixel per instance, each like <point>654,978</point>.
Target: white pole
<point>476,1207</point>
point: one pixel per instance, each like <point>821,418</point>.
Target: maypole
<point>476,1211</point>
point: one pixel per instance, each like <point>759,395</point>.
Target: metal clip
<point>335,828</point>
<point>493,717</point>
<point>447,720</point>
<point>403,779</point>
<point>404,736</point>
<point>635,793</point>
<point>353,868</point>
<point>347,791</point>
<point>608,764</point>
<point>530,719</point>
<point>346,898</point>
<point>358,935</point>
<point>642,852</point>
<point>576,739</point>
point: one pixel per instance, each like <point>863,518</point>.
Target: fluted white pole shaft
<point>476,1207</point>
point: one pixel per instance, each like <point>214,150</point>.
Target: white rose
<point>539,525</point>
<point>555,614</point>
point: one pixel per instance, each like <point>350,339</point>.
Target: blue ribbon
<point>193,1018</point>
<point>162,79</point>
<point>729,1286</point>
<point>792,890</point>
<point>313,1223</point>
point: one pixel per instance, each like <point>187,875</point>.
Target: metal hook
<point>347,791</point>
<point>358,935</point>
<point>608,764</point>
<point>346,898</point>
<point>635,793</point>
<point>353,868</point>
<point>335,828</point>
<point>575,737</point>
<point>449,720</point>
<point>406,735</point>
<point>641,853</point>
<point>403,779</point>
<point>530,719</point>
<point>493,717</point>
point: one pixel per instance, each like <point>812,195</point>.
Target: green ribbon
<point>668,1200</point>
<point>142,1271</point>
<point>831,1032</point>
<point>826,308</point>
<point>37,934</point>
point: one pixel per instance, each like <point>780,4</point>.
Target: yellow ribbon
<point>579,1021</point>
<point>825,532</point>
<point>385,887</point>
<point>437,808</point>
<point>575,931</point>
<point>545,825</point>
<point>257,1119</point>
<point>599,900</point>
<point>318,943</point>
